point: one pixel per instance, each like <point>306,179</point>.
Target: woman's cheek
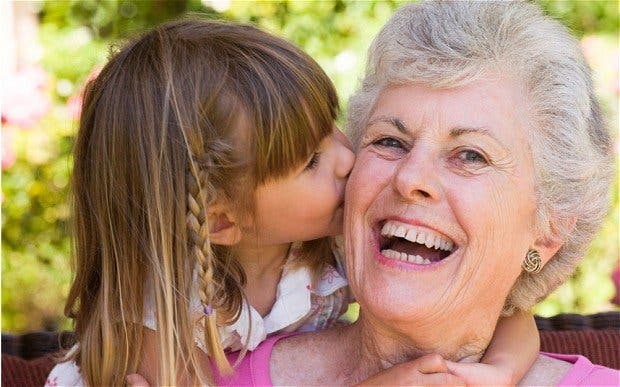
<point>371,167</point>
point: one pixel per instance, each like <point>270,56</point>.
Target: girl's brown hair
<point>188,113</point>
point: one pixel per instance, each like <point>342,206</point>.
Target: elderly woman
<point>477,133</point>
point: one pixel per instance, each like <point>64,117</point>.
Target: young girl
<point>208,182</point>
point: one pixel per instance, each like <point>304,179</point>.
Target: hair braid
<point>199,95</point>
<point>200,247</point>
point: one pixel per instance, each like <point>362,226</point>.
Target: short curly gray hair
<point>452,43</point>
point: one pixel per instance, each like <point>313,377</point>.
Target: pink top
<point>584,373</point>
<point>254,369</point>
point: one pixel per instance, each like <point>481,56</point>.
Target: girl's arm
<point>510,355</point>
<point>515,345</point>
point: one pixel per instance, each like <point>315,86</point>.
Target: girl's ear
<point>223,227</point>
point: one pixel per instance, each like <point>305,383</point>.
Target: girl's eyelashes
<point>314,161</point>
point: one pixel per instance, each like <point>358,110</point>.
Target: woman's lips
<point>416,235</point>
<point>394,247</point>
<point>412,266</point>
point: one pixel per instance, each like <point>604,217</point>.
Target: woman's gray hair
<point>453,43</point>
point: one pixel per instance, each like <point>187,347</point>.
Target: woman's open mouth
<point>414,244</point>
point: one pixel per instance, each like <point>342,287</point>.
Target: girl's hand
<point>426,370</point>
<point>481,374</point>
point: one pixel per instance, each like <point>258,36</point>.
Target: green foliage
<point>77,35</point>
<point>585,17</point>
<point>35,222</point>
<point>109,20</point>
<point>335,33</point>
<point>590,289</point>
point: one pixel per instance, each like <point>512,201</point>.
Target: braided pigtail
<point>214,111</point>
<point>200,248</point>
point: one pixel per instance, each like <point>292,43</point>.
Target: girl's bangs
<point>291,123</point>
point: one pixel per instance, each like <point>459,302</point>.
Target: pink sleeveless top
<point>584,373</point>
<point>254,369</point>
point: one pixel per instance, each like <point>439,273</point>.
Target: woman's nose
<point>415,179</point>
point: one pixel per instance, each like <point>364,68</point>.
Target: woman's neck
<point>380,347</point>
<point>377,349</point>
<point>347,355</point>
<point>263,269</point>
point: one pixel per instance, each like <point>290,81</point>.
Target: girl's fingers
<point>430,364</point>
<point>455,368</point>
<point>442,379</point>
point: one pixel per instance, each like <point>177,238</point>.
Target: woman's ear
<point>223,227</point>
<point>548,245</point>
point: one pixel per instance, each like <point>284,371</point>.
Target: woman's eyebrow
<point>397,123</point>
<point>462,130</point>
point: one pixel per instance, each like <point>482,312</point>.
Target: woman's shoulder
<point>569,370</point>
<point>306,358</point>
<point>254,368</point>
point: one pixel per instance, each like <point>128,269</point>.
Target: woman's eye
<point>470,156</point>
<point>314,161</point>
<point>389,142</point>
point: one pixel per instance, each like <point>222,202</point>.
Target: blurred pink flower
<point>74,103</point>
<point>603,58</point>
<point>593,48</point>
<point>24,97</point>
<point>615,278</point>
<point>8,154</point>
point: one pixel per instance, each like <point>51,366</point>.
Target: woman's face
<point>450,169</point>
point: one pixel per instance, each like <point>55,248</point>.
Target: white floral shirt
<point>298,307</point>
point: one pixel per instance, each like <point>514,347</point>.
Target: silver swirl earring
<point>532,262</point>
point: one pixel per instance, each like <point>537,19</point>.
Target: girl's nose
<point>346,157</point>
<point>338,135</point>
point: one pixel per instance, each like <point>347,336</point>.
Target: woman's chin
<point>411,289</point>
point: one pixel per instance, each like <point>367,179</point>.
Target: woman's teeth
<point>415,234</point>
<point>405,257</point>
